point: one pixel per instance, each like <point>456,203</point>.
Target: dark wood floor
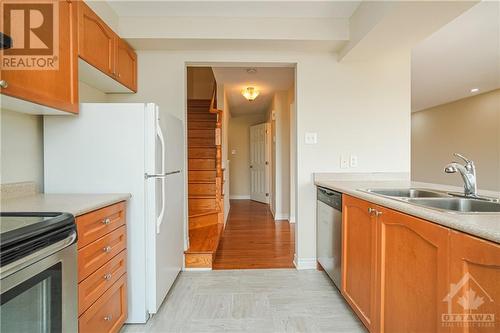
<point>252,239</point>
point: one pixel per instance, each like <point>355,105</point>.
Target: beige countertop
<point>483,225</point>
<point>76,204</point>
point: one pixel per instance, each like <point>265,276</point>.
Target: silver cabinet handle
<point>107,249</point>
<point>378,213</point>
<point>372,211</point>
<point>3,84</point>
<point>108,318</point>
<point>107,277</point>
<point>106,221</point>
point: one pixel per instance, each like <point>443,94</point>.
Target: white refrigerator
<point>127,148</point>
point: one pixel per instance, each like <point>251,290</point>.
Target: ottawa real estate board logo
<point>33,27</point>
<point>469,305</point>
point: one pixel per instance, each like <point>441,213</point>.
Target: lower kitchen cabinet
<point>475,271</point>
<point>405,274</point>
<point>102,269</point>
<point>359,259</point>
<point>413,273</point>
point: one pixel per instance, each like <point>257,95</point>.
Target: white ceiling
<point>267,80</point>
<point>238,8</point>
<point>464,54</point>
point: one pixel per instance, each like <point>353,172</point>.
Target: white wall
<point>21,148</point>
<point>470,126</point>
<point>355,107</point>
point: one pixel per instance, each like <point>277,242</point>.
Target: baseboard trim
<point>281,216</point>
<point>239,197</point>
<point>304,263</point>
<point>196,269</point>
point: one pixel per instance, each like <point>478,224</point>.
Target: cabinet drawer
<point>93,256</point>
<point>109,312</point>
<point>98,223</point>
<point>90,289</point>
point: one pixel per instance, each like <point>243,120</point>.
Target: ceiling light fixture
<point>250,93</point>
<point>474,90</point>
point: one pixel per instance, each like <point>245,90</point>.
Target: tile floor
<point>276,300</point>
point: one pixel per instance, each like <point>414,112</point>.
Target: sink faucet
<point>468,173</point>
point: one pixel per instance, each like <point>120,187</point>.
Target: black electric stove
<point>24,233</point>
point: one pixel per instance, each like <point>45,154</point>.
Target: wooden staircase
<point>206,211</point>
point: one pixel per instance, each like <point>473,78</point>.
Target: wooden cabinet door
<point>53,88</point>
<point>95,40</point>
<point>475,275</point>
<point>125,64</point>
<point>413,274</point>
<point>359,259</point>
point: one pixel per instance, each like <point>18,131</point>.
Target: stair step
<point>196,204</point>
<point>202,133</point>
<point>199,102</point>
<point>201,175</point>
<point>201,164</point>
<point>203,220</point>
<point>204,189</point>
<point>195,116</point>
<point>202,124</point>
<point>205,240</point>
<point>203,152</point>
<point>201,142</point>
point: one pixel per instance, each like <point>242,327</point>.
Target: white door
<point>259,163</point>
<point>166,231</point>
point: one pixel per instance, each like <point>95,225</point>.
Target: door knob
<point>3,84</point>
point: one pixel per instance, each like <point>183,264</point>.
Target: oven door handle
<point>36,256</point>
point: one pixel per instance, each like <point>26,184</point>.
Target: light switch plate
<point>354,161</point>
<point>311,138</point>
<point>344,162</point>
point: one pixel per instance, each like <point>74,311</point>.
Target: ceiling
<point>464,54</point>
<point>238,8</point>
<point>267,80</point>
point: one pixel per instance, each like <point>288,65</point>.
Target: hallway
<point>252,239</point>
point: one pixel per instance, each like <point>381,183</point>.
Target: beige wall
<point>222,104</point>
<point>280,155</point>
<point>470,126</point>
<point>21,148</point>
<point>200,82</point>
<point>239,140</point>
<point>22,141</point>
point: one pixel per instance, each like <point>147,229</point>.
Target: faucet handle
<point>466,160</point>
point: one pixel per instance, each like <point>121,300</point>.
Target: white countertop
<point>483,225</point>
<point>76,204</point>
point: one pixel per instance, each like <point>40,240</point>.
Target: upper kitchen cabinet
<point>125,64</point>
<point>107,62</point>
<point>48,88</point>
<point>95,40</point>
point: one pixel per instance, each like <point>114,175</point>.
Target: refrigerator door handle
<point>161,175</point>
<point>159,133</point>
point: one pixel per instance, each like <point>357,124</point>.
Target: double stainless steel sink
<point>440,200</point>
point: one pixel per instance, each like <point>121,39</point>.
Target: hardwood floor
<point>252,239</point>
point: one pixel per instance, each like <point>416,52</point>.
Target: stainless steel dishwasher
<point>329,233</point>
